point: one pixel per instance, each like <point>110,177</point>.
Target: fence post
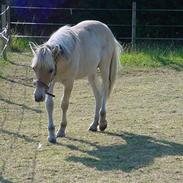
<point>134,25</point>
<point>3,26</point>
<point>3,18</point>
<point>8,18</point>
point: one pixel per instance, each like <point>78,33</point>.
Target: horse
<point>71,53</point>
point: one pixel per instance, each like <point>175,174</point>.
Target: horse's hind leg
<point>49,108</point>
<point>64,105</point>
<point>105,92</point>
<point>95,84</point>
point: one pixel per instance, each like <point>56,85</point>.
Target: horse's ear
<point>33,47</point>
<point>56,51</point>
<point>61,50</point>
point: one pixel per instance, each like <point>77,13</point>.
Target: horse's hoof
<point>93,128</point>
<point>52,140</point>
<point>60,133</point>
<point>103,126</point>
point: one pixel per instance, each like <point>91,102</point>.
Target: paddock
<point>143,141</point>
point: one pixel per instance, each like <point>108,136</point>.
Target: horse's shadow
<point>139,151</point>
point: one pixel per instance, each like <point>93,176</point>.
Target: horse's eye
<point>50,71</point>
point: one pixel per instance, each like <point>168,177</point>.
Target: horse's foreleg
<point>96,85</point>
<point>64,107</point>
<point>49,108</point>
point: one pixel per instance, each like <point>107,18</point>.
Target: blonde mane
<point>64,39</point>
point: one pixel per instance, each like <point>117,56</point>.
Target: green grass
<point>143,142</point>
<point>146,54</point>
<point>154,56</point>
<point>19,44</point>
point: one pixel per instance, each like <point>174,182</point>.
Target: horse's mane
<point>65,38</point>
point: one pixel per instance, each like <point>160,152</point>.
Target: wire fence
<point>4,11</point>
<point>112,10</point>
<point>4,32</point>
<point>71,11</point>
<point>7,23</point>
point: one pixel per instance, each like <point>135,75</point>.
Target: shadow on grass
<point>20,105</point>
<point>2,180</point>
<point>18,64</point>
<point>17,135</point>
<point>168,63</point>
<point>139,151</point>
<point>14,81</point>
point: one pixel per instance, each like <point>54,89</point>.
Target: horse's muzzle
<point>39,94</point>
<point>41,84</point>
<point>39,99</point>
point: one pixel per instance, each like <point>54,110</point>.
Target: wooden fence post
<point>8,18</point>
<point>3,26</point>
<point>134,25</point>
<point>3,18</point>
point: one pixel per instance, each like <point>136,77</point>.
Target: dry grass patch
<point>143,142</point>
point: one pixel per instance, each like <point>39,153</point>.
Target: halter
<point>39,83</point>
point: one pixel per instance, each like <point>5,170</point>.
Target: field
<point>143,142</point>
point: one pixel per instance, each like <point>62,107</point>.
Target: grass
<point>154,56</point>
<point>19,44</point>
<point>146,55</point>
<point>143,142</point>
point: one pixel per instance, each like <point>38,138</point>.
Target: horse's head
<point>44,66</point>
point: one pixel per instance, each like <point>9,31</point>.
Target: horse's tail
<point>114,64</point>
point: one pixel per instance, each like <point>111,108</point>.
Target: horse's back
<point>93,27</point>
<point>96,42</point>
<point>90,24</point>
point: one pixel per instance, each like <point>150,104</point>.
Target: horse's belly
<point>87,68</point>
<point>89,60</point>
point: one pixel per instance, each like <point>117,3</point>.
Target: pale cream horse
<point>72,53</point>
